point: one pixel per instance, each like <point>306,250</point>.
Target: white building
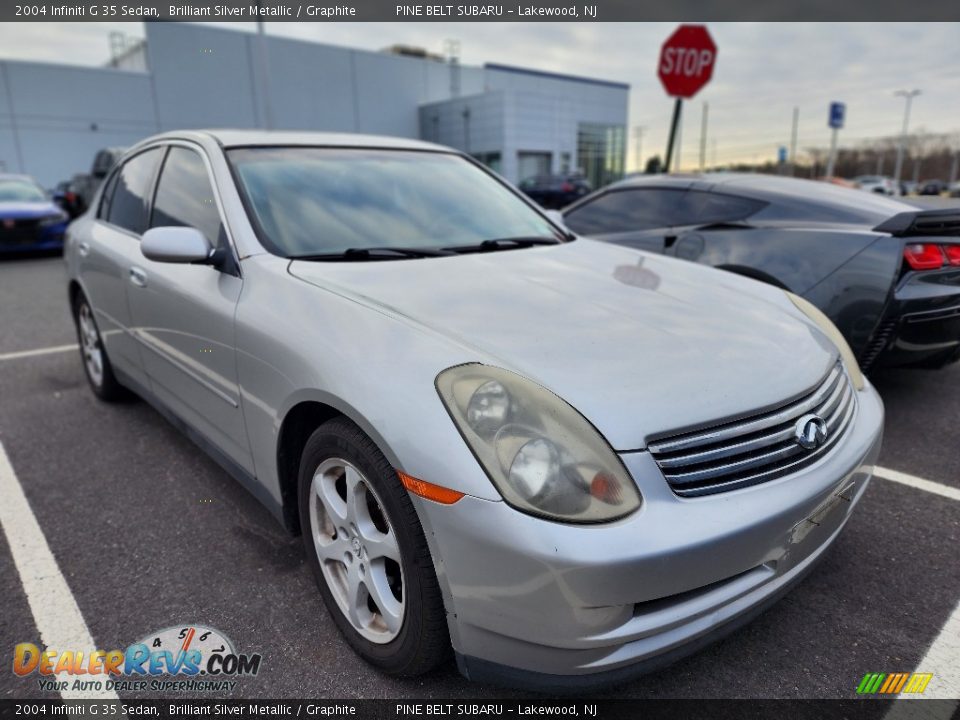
<point>53,118</point>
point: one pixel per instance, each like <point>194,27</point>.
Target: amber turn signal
<point>442,495</point>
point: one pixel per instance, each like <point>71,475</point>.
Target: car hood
<point>27,210</point>
<point>640,344</point>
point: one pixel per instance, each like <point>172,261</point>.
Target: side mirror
<point>176,245</point>
<point>556,217</point>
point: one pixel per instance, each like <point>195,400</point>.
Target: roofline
<point>294,138</point>
<point>556,76</point>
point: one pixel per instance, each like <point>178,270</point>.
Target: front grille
<point>22,231</point>
<point>758,448</point>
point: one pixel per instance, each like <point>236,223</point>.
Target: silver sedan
<point>566,460</point>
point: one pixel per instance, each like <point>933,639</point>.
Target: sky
<point>763,71</point>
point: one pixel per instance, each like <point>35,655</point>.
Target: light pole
<point>909,95</point>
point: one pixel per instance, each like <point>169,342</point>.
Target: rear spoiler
<point>922,223</point>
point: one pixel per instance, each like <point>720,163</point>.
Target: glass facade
<point>600,152</point>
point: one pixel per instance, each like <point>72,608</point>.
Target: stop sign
<point>686,61</point>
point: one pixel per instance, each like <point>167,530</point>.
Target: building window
<point>491,160</point>
<point>600,152</point>
<point>532,164</point>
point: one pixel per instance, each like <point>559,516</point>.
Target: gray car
<point>567,460</point>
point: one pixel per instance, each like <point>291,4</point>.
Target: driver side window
<point>185,196</point>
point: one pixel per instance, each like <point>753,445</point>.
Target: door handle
<point>138,277</point>
<point>83,248</point>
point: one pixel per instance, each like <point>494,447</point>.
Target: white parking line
<point>54,609</point>
<point>38,351</point>
<point>916,482</point>
<point>943,660</point>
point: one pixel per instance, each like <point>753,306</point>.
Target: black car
<point>931,187</point>
<point>886,273</point>
<point>555,191</point>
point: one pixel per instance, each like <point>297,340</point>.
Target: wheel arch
<point>305,412</point>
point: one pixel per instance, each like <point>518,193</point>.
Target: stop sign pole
<point>686,64</point>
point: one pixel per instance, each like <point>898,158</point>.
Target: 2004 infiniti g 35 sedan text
<point>568,460</point>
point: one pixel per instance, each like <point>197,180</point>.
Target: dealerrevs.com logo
<point>202,654</point>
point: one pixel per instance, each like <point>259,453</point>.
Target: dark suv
<point>555,191</point>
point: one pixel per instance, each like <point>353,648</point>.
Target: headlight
<point>54,219</point>
<point>830,330</point>
<point>541,454</point>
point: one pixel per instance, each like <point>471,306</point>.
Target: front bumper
<point>534,602</point>
<point>32,239</point>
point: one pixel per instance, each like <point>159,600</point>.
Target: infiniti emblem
<point>810,432</point>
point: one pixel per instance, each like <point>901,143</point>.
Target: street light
<point>909,95</point>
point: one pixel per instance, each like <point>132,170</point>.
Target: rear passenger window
<point>104,211</point>
<point>128,204</point>
<point>185,196</point>
<point>705,208</point>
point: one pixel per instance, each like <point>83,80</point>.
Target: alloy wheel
<point>90,345</point>
<point>357,549</point>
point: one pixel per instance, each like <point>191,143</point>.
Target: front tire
<point>367,550</point>
<point>96,364</point>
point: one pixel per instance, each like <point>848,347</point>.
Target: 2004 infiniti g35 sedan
<point>568,460</point>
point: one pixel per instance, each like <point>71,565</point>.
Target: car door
<point>183,314</point>
<point>640,218</point>
<point>107,251</point>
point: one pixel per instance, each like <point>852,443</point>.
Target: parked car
<point>555,191</point>
<point>954,190</point>
<point>85,185</point>
<point>566,459</point>
<point>65,195</point>
<point>908,187</point>
<point>877,184</point>
<point>932,187</point>
<point>29,219</point>
<point>882,270</point>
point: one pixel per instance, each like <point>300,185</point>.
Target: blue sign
<point>837,112</point>
<point>781,154</point>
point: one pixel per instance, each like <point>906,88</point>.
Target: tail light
<point>566,187</point>
<point>923,256</point>
<point>953,254</point>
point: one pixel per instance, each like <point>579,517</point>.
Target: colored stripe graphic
<point>918,683</point>
<point>894,683</point>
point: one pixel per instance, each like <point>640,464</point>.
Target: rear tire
<point>96,364</point>
<point>367,550</point>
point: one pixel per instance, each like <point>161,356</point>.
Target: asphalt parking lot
<point>149,533</point>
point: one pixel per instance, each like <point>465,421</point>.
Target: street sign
<point>686,61</point>
<point>781,154</point>
<point>837,112</point>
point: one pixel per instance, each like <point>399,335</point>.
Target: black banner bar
<point>472,11</point>
<point>862,709</point>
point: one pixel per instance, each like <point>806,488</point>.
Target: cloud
<point>763,70</point>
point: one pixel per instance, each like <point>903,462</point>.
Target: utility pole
<point>909,95</point>
<point>954,166</point>
<point>793,140</point>
<point>638,147</point>
<point>703,138</point>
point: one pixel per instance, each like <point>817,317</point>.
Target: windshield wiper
<point>374,253</point>
<point>509,243</point>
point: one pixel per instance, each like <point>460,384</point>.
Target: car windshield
<point>20,191</point>
<point>319,201</point>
